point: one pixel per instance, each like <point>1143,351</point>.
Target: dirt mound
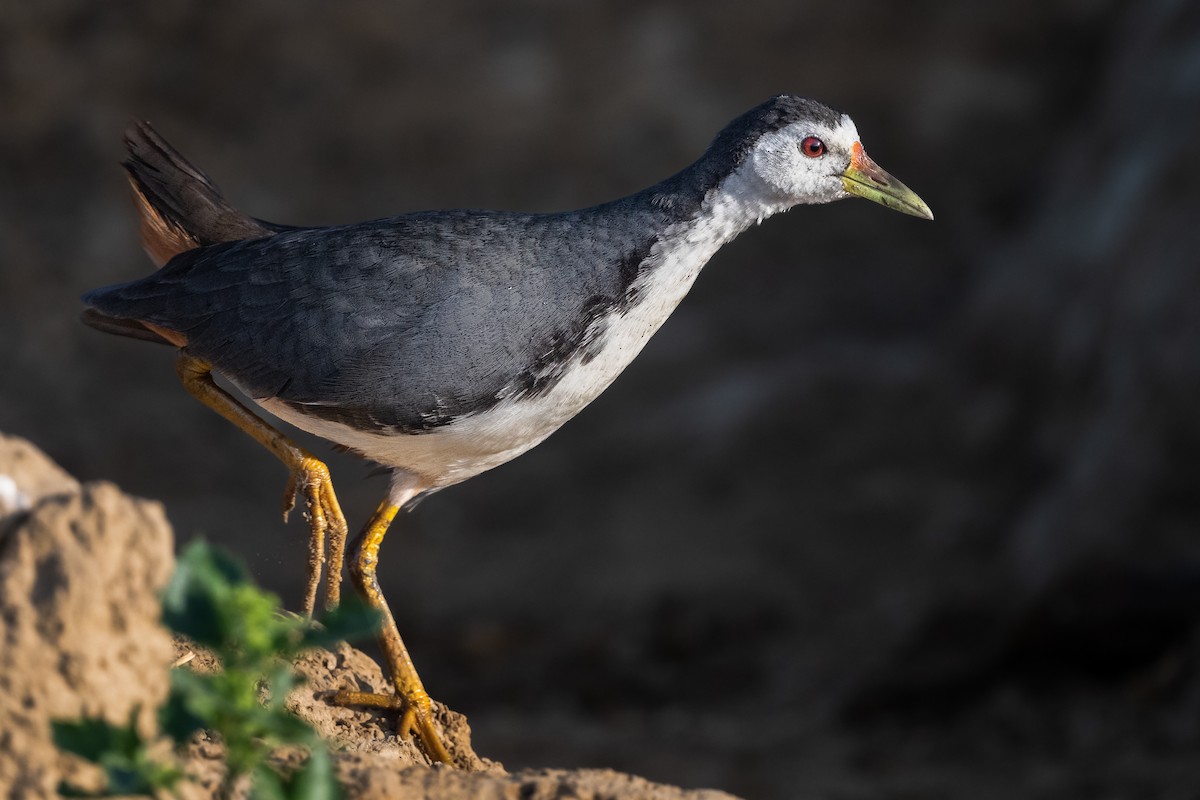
<point>80,572</point>
<point>27,475</point>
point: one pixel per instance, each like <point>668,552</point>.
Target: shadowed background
<point>887,509</point>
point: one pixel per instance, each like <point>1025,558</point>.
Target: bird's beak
<point>867,179</point>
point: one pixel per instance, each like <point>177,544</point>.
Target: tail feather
<point>121,327</point>
<point>180,209</point>
<point>179,206</point>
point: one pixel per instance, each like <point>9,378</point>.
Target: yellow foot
<point>310,479</point>
<point>416,716</point>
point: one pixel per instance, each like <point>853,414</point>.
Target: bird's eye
<point>812,147</point>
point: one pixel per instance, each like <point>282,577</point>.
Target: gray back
<point>406,322</point>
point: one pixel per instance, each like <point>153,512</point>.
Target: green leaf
<point>267,785</point>
<point>93,739</point>
<point>203,697</point>
<point>127,779</point>
<point>285,728</point>
<point>280,682</point>
<point>212,600</point>
<point>120,752</point>
<point>176,719</point>
<point>353,619</point>
<point>88,738</point>
<point>316,779</point>
<point>194,598</point>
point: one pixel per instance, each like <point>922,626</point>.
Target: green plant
<point>213,602</point>
<point>120,751</point>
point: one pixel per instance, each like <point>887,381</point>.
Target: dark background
<point>887,509</point>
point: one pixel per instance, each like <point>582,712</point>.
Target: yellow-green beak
<point>865,178</point>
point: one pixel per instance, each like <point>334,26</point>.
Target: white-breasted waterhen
<point>440,344</point>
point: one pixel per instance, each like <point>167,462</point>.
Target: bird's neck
<point>714,198</point>
<point>741,199</point>
<point>684,221</point>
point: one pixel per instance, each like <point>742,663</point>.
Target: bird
<point>442,344</point>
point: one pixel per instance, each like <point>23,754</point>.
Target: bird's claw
<point>310,479</point>
<point>416,717</point>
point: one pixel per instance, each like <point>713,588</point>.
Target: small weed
<point>213,602</point>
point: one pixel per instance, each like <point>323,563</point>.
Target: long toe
<point>416,717</point>
<point>310,479</point>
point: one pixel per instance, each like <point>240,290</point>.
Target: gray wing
<point>402,323</point>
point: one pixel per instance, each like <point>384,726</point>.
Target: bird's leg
<point>307,475</point>
<point>410,699</point>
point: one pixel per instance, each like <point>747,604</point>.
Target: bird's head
<point>804,152</point>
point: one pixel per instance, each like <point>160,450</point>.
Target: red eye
<point>812,147</point>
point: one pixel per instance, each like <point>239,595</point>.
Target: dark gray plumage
<point>458,308</point>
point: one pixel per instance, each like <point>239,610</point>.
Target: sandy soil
<point>80,570</point>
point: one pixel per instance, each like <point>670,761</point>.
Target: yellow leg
<point>306,475</point>
<point>410,699</point>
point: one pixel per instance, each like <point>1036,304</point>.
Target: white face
<point>804,162</point>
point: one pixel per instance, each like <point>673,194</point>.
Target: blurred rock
<point>79,576</point>
<point>27,475</point>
